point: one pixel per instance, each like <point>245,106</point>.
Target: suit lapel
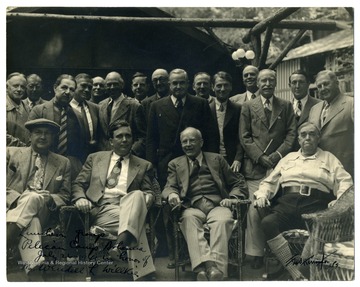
<point>132,171</point>
<point>276,111</point>
<point>259,110</point>
<point>24,167</point>
<point>121,111</point>
<point>229,113</point>
<point>213,112</point>
<point>49,170</point>
<point>169,109</point>
<point>183,172</point>
<point>102,167</point>
<point>103,113</point>
<point>334,109</point>
<point>215,173</point>
<point>305,112</point>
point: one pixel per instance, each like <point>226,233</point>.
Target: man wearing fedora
<point>37,184</point>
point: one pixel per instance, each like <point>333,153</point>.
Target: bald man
<point>250,74</point>
<point>120,107</point>
<point>98,90</point>
<point>160,81</point>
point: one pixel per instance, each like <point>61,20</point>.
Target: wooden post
<point>256,43</point>
<point>265,48</point>
<point>287,49</point>
<point>260,27</point>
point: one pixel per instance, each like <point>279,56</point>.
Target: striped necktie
<point>62,146</point>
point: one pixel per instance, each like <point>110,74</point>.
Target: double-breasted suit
<point>337,132</point>
<point>165,125</point>
<point>130,110</point>
<point>234,150</point>
<point>259,137</point>
<point>25,207</point>
<point>128,215</point>
<point>219,218</point>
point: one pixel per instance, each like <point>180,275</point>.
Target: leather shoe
<point>171,264</point>
<point>201,276</point>
<point>257,262</point>
<point>214,274</point>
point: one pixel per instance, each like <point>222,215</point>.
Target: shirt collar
<point>118,100</point>
<point>217,103</point>
<point>249,94</point>
<point>263,100</point>
<point>174,99</point>
<point>199,158</point>
<point>303,100</point>
<point>115,156</point>
<point>314,156</point>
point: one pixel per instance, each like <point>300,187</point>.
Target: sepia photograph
<point>179,144</point>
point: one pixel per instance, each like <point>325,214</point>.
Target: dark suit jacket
<point>234,150</point>
<point>226,180</point>
<point>146,104</point>
<point>337,133</point>
<point>76,141</point>
<point>90,183</point>
<point>165,125</point>
<point>305,116</point>
<point>131,111</point>
<point>255,133</point>
<point>56,179</point>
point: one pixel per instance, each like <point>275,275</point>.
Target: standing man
<point>204,183</point>
<point>268,133</point>
<point>302,102</point>
<point>335,119</point>
<point>167,118</point>
<point>16,112</point>
<point>115,188</point>
<point>34,91</point>
<point>87,114</point>
<point>250,74</point>
<point>202,86</point>
<point>139,86</point>
<point>227,116</point>
<point>160,81</point>
<point>68,143</point>
<point>37,184</point>
<point>98,90</point>
<point>119,107</point>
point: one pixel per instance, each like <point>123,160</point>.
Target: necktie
<point>62,145</point>
<point>179,105</point>
<point>39,173</point>
<point>221,108</point>
<point>298,109</point>
<point>324,113</point>
<point>195,168</point>
<point>113,178</point>
<point>87,120</point>
<point>253,96</point>
<point>109,108</point>
<point>267,110</point>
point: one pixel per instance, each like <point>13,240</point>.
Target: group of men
<point>95,147</point>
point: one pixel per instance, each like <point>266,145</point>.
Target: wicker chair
<point>328,230</point>
<point>235,246</point>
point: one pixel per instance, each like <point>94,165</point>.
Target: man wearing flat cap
<point>37,184</point>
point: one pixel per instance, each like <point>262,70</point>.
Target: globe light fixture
<point>242,57</point>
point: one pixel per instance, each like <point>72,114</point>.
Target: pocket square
<point>59,177</point>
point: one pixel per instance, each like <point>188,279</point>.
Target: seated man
<point>37,184</point>
<point>311,180</point>
<point>115,187</point>
<point>204,182</point>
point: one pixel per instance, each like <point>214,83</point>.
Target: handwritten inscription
<point>95,257</point>
<point>297,260</point>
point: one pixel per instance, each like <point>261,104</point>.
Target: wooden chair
<point>330,230</point>
<point>239,209</point>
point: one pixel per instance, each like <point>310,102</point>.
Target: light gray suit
<point>31,210</point>
<point>129,214</point>
<point>337,132</point>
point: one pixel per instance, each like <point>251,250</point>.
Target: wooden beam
<point>287,49</point>
<point>185,22</point>
<point>265,48</point>
<point>256,43</point>
<point>261,27</point>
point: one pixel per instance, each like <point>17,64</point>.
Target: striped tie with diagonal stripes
<point>62,146</point>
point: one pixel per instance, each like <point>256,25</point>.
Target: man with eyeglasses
<point>308,180</point>
<point>119,107</point>
<point>34,91</point>
<point>160,81</point>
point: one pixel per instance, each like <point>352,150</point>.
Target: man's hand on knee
<point>261,202</point>
<point>83,204</point>
<point>173,199</point>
